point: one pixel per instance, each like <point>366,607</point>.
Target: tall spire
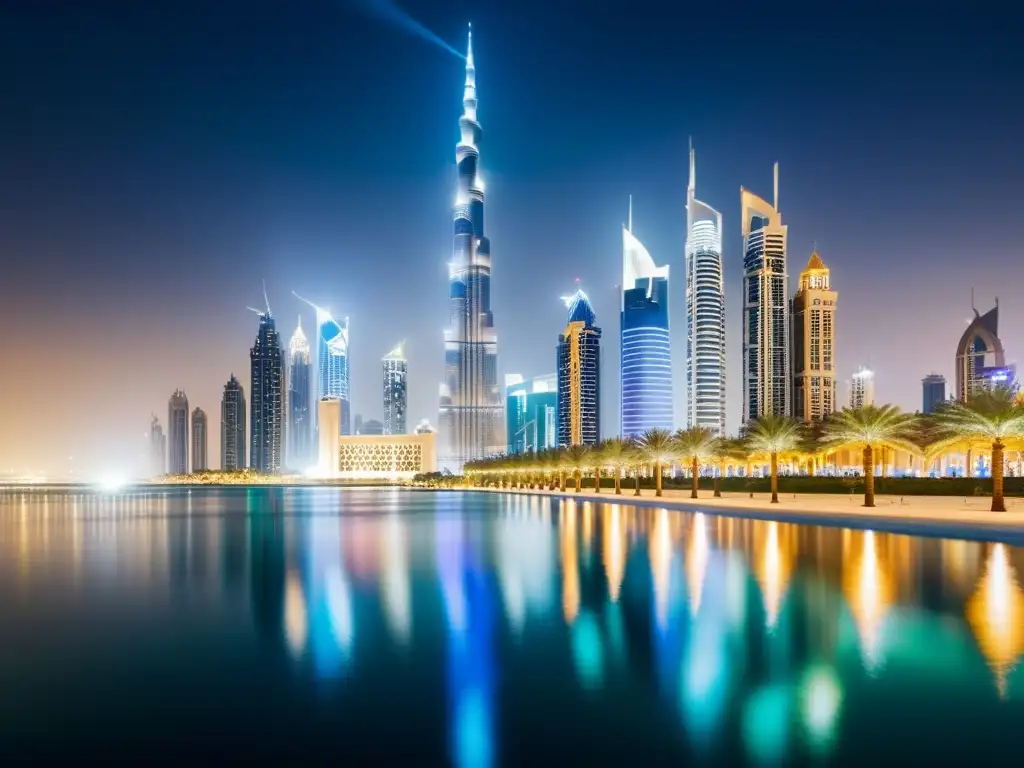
<point>629,220</point>
<point>692,186</point>
<point>469,52</point>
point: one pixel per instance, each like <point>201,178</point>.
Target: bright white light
<point>111,482</point>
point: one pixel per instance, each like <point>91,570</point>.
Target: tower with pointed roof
<point>579,369</point>
<point>813,313</point>
<point>980,359</point>
<point>299,454</point>
<point>396,371</point>
<point>470,407</point>
<point>232,426</point>
<point>266,408</point>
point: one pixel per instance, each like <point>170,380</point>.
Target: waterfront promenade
<point>947,516</point>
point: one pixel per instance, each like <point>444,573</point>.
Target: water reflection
<point>754,641</point>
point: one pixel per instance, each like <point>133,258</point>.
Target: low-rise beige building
<point>385,456</point>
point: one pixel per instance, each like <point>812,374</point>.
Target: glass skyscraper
<point>299,455</point>
<point>470,401</point>
<point>267,405</point>
<point>933,388</point>
<point>332,361</point>
<point>177,434</point>
<point>396,372</point>
<point>232,426</point>
<point>531,413</point>
<point>766,371</point>
<point>705,312</point>
<point>579,369</point>
<point>200,459</point>
<point>646,353</point>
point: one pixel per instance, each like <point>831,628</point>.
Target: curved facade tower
<point>980,359</point>
<point>470,402</point>
<point>332,361</point>
<point>646,354</point>
<point>766,374</point>
<point>705,313</point>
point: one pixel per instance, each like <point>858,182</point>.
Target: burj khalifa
<point>470,417</point>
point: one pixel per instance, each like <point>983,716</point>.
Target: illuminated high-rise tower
<point>646,352</point>
<point>332,361</point>
<point>470,410</point>
<point>396,371</point>
<point>813,335</point>
<point>232,426</point>
<point>579,373</point>
<point>299,455</point>
<point>266,438</point>
<point>766,374</point>
<point>177,434</point>
<point>705,312</point>
<point>200,433</point>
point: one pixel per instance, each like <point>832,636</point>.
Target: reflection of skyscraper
<point>980,360</point>
<point>766,378</point>
<point>813,337</point>
<point>705,312</point>
<point>157,448</point>
<point>470,402</point>
<point>200,458</point>
<point>267,563</point>
<point>232,426</point>
<point>646,354</point>
<point>267,391</point>
<point>300,423</point>
<point>332,361</point>
<point>933,388</point>
<point>177,434</point>
<point>396,371</point>
<point>579,358</point>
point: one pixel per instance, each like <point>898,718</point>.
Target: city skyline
<point>888,165</point>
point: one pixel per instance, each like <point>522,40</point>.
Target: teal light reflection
<point>588,651</point>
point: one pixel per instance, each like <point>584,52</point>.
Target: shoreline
<point>946,517</point>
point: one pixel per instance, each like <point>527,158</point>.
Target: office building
<point>232,426</point>
<point>813,336</point>
<point>200,439</point>
<point>862,388</point>
<point>579,367</point>
<point>980,359</point>
<point>470,410</point>
<point>157,448</point>
<point>396,374</point>
<point>645,350</point>
<point>332,375</point>
<point>177,434</point>
<point>705,312</point>
<point>328,419</point>
<point>299,455</point>
<point>933,387</point>
<point>766,370</point>
<point>531,413</point>
<point>267,390</point>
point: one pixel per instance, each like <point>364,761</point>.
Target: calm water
<point>478,629</point>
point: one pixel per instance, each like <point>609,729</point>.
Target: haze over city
<point>157,166</point>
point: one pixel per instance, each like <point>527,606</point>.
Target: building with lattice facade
<point>386,456</point>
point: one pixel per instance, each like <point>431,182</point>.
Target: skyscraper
<point>177,434</point>
<point>396,371</point>
<point>232,426</point>
<point>332,361</point>
<point>299,455</point>
<point>157,448</point>
<point>646,352</point>
<point>531,413</point>
<point>862,388</point>
<point>267,391</point>
<point>980,359</point>
<point>705,312</point>
<point>470,401</point>
<point>766,375</point>
<point>579,366</point>
<point>200,458</point>
<point>933,388</point>
<point>813,337</point>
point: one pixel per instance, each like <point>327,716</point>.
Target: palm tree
<point>637,460</point>
<point>771,435</point>
<point>995,417</point>
<point>615,454</point>
<point>575,458</point>
<point>731,448</point>
<point>595,461</point>
<point>656,445</point>
<point>693,446</point>
<point>867,428</point>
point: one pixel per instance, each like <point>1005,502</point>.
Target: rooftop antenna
<point>775,203</point>
<point>265,299</point>
<point>973,307</point>
<point>257,311</point>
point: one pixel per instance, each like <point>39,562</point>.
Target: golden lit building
<point>385,456</point>
<point>813,336</point>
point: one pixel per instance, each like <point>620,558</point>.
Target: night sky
<point>158,159</point>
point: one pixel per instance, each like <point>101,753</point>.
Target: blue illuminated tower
<point>579,368</point>
<point>266,439</point>
<point>470,408</point>
<point>299,455</point>
<point>332,361</point>
<point>646,354</point>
